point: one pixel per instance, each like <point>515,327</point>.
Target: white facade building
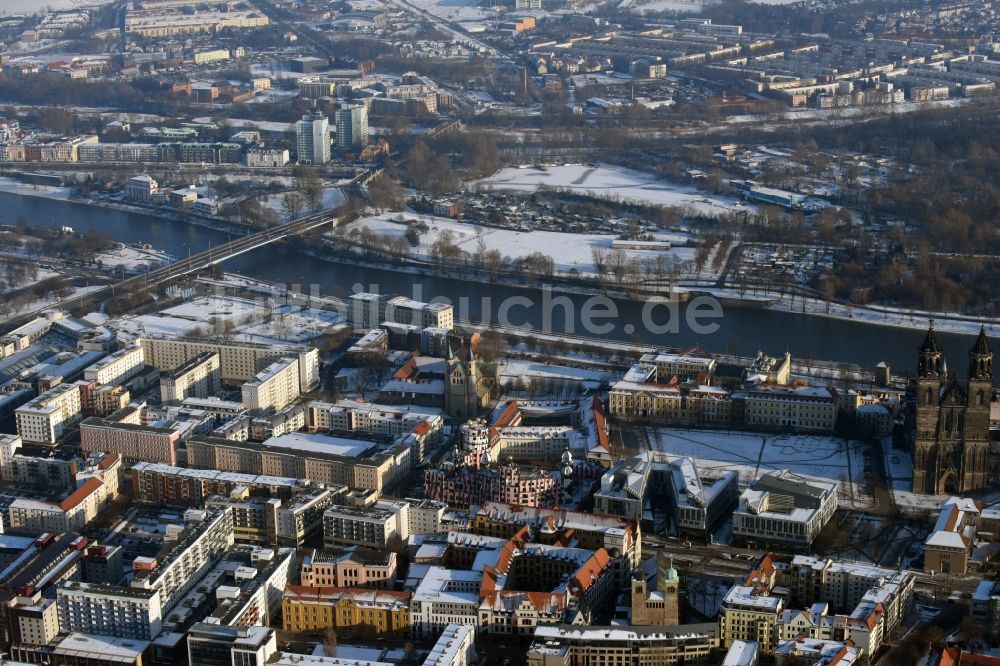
<point>141,189</point>
<point>312,139</point>
<point>273,388</point>
<point>45,419</point>
<point>782,507</point>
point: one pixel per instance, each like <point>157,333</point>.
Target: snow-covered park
<point>569,251</point>
<point>753,454</point>
<point>608,182</point>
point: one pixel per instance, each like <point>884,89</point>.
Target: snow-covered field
<point>753,454</point>
<point>611,183</point>
<point>692,6</point>
<point>43,6</point>
<point>569,251</point>
<point>265,125</point>
<point>14,186</point>
<point>898,466</point>
<point>527,370</point>
<point>332,197</point>
<point>39,275</point>
<point>289,324</point>
<point>133,258</point>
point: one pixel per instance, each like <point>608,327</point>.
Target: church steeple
<point>981,358</point>
<point>929,362</point>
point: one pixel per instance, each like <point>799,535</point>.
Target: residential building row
<point>844,601</point>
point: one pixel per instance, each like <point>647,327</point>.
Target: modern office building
<point>782,507</point>
<point>219,645</point>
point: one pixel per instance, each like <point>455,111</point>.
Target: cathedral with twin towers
<point>950,433</point>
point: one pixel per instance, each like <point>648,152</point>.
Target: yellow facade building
<point>351,611</point>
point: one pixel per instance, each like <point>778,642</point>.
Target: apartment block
<point>357,464</point>
<point>201,377</point>
<point>154,483</point>
<point>46,419</point>
<point>273,388</point>
<point>237,362</point>
<point>300,517</point>
<point>253,518</point>
<point>426,516</point>
<point>34,620</point>
<point>124,433</point>
<point>567,645</point>
<point>376,527</point>
<point>9,445</point>
<point>117,368</point>
<point>369,310</point>
<point>747,615</point>
<point>109,610</point>
<point>180,565</point>
<point>31,516</point>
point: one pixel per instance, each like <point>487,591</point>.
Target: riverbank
<point>727,296</point>
<point>63,193</point>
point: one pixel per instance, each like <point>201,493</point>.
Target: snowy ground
<point>611,183</point>
<point>265,125</point>
<point>40,274</point>
<point>133,259</point>
<point>289,324</point>
<point>690,6</point>
<point>218,310</point>
<point>752,454</point>
<point>44,6</point>
<point>7,310</point>
<point>48,191</point>
<point>569,251</point>
<point>332,197</point>
<point>527,370</point>
<point>898,465</point>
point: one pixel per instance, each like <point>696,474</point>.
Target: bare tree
<point>599,254</point>
<point>292,204</point>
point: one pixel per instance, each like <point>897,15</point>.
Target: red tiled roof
<point>81,493</point>
<point>408,368</point>
<point>107,461</point>
<point>507,415</point>
<point>601,424</point>
<point>590,571</point>
<point>970,659</point>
